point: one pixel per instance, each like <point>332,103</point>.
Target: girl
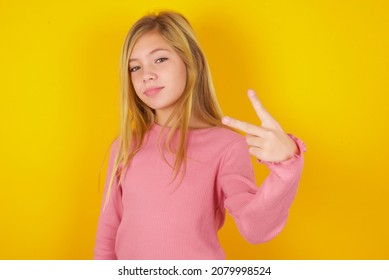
<point>177,165</point>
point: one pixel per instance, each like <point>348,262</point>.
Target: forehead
<point>149,42</point>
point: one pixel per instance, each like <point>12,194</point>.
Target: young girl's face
<point>158,74</point>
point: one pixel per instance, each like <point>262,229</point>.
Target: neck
<point>194,123</point>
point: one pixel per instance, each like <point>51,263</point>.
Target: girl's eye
<point>162,59</point>
<point>135,68</point>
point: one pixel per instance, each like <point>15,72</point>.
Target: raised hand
<point>267,142</point>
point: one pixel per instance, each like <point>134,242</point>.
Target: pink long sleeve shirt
<point>148,217</point>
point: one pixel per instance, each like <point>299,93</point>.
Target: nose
<point>149,76</point>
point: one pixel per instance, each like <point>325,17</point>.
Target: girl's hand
<point>268,142</point>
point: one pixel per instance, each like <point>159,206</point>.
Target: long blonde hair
<point>198,99</point>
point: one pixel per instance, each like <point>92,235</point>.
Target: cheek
<point>135,84</point>
<point>137,93</point>
<point>182,77</point>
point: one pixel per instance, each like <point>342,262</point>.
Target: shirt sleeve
<point>260,213</point>
<point>110,217</point>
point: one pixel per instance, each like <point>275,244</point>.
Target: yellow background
<point>320,68</point>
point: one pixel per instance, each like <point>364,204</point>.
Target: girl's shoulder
<point>220,134</point>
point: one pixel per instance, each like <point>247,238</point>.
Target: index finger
<point>258,106</point>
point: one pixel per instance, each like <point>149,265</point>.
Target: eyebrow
<point>153,51</point>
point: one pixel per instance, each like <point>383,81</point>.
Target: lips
<point>152,91</point>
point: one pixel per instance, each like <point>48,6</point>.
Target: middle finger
<point>244,126</point>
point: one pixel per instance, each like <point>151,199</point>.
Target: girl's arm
<point>110,217</point>
<point>261,213</point>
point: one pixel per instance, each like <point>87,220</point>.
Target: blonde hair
<point>198,99</point>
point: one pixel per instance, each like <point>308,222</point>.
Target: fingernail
<point>226,120</point>
<point>251,92</point>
